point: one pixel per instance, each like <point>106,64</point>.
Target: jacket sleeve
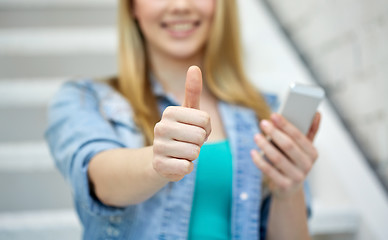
<point>76,132</point>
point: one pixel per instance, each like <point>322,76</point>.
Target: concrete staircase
<point>42,44</point>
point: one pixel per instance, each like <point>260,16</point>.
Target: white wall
<point>346,191</point>
<point>346,42</point>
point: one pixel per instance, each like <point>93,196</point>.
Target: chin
<point>184,55</point>
<point>185,52</point>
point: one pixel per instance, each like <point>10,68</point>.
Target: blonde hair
<point>223,68</point>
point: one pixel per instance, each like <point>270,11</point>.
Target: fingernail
<point>252,152</point>
<point>276,118</point>
<point>265,124</point>
<point>259,138</point>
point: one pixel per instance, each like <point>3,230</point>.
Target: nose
<point>180,6</point>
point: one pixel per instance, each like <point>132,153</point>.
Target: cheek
<point>206,7</point>
<point>148,16</point>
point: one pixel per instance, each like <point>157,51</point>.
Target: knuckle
<point>175,178</point>
<point>210,131</point>
<point>169,112</point>
<point>269,171</point>
<point>159,129</point>
<point>159,147</point>
<point>201,136</point>
<point>265,169</point>
<point>296,135</point>
<point>276,159</point>
<point>315,154</point>
<point>205,118</point>
<point>282,122</point>
<point>156,128</point>
<point>308,167</point>
<point>158,164</point>
<point>194,153</point>
<point>156,146</point>
<point>188,167</point>
<point>180,168</point>
<point>299,177</point>
<point>285,184</point>
<point>288,146</point>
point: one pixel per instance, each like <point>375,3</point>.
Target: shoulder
<point>97,89</point>
<point>89,94</point>
<point>73,90</point>
<point>272,100</point>
<point>230,108</point>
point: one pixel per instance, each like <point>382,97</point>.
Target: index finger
<point>189,116</point>
<point>292,131</point>
<point>314,127</point>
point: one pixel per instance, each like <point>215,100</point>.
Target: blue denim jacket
<point>87,117</point>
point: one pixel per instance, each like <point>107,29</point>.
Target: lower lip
<point>181,34</point>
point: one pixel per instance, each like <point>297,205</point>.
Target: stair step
<point>25,156</point>
<point>35,182</point>
<point>56,3</point>
<point>54,41</point>
<point>22,123</point>
<point>47,53</point>
<point>60,224</point>
<point>33,190</point>
<point>56,16</point>
<point>48,66</point>
<point>23,108</point>
<point>28,92</point>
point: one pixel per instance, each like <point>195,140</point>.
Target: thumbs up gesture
<point>181,132</point>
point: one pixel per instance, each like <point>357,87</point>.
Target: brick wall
<point>346,44</point>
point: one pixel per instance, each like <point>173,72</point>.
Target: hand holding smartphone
<point>301,104</point>
<point>285,157</point>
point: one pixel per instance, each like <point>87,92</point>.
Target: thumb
<point>193,87</point>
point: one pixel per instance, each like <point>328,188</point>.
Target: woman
<point>128,147</point>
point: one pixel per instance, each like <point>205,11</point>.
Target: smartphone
<point>301,104</point>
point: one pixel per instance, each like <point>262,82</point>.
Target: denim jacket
<point>87,117</point>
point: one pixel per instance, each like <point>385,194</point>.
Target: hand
<point>291,159</point>
<point>181,132</point>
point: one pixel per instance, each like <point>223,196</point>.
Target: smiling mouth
<point>180,26</point>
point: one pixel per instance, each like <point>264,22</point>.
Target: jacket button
<point>115,219</point>
<point>244,196</point>
<point>112,231</point>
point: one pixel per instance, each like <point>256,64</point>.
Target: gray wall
<point>345,42</point>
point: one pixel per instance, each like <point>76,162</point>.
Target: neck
<point>171,72</point>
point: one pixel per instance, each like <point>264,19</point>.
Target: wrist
<point>290,195</point>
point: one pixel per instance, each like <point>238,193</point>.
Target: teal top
<point>211,210</point>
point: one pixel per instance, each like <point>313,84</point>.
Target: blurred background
<point>338,44</point>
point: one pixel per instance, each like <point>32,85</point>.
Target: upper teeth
<point>181,26</point>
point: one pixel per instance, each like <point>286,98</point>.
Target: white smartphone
<point>301,104</point>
